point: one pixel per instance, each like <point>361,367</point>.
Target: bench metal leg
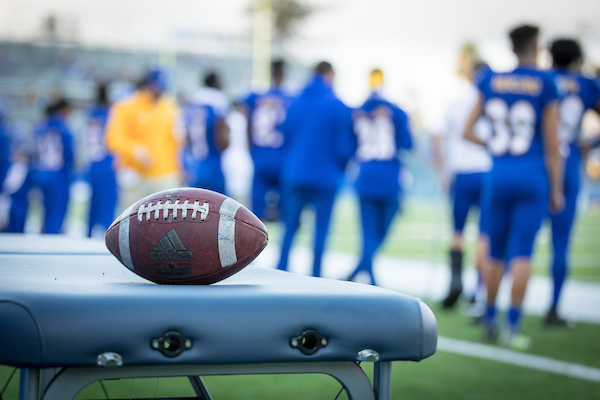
<point>70,381</point>
<point>199,388</point>
<point>29,385</point>
<point>382,380</point>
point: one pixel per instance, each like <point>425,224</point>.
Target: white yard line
<point>580,301</point>
<point>512,357</point>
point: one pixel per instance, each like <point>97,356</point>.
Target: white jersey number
<point>376,138</point>
<point>265,119</point>
<point>197,134</point>
<point>513,127</point>
<point>50,151</point>
<point>95,135</point>
<point>571,112</point>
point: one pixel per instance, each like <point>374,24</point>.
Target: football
<point>186,236</point>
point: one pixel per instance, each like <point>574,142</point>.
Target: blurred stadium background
<point>65,47</point>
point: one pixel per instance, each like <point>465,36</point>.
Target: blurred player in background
<point>4,145</point>
<point>101,174</point>
<point>51,171</point>
<point>265,113</point>
<point>382,130</point>
<point>212,94</point>
<point>144,135</point>
<point>466,163</point>
<point>207,136</point>
<point>522,107</point>
<point>318,141</point>
<point>579,94</point>
<point>5,163</point>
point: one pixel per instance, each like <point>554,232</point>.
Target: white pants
<point>133,187</point>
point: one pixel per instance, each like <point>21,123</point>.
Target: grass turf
<point>422,232</point>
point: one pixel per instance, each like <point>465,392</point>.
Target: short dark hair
<point>523,37</point>
<point>323,68</point>
<point>59,105</point>
<point>564,52</point>
<point>212,80</point>
<point>102,94</point>
<point>277,69</point>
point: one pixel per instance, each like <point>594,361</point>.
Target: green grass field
<point>422,233</point>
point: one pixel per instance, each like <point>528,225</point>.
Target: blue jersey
<point>95,132</point>
<point>513,104</point>
<point>578,94</point>
<point>318,139</point>
<point>201,157</point>
<point>54,146</point>
<point>266,112</point>
<point>382,129</point>
<point>516,189</point>
<point>4,152</point>
<point>200,122</point>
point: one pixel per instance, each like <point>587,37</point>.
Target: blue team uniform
<point>201,157</point>
<point>516,190</point>
<point>101,174</point>
<point>382,130</point>
<point>466,193</point>
<point>318,141</point>
<point>52,168</point>
<point>266,112</point>
<point>4,151</point>
<point>578,94</point>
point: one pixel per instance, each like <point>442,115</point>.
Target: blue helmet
<point>159,80</point>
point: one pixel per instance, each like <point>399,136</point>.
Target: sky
<point>416,43</point>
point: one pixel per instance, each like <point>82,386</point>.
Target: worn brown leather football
<point>186,236</point>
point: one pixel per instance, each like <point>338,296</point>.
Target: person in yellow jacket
<point>144,132</point>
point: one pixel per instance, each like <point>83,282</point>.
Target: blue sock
<point>514,318</point>
<point>490,313</point>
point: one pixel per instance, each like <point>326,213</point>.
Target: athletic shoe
<point>553,319</point>
<point>515,341</point>
<point>490,331</point>
<point>475,311</point>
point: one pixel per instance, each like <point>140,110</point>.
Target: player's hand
<point>142,156</point>
<point>557,201</point>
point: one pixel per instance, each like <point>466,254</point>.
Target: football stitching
<point>165,207</point>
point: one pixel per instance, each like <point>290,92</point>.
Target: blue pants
<point>296,200</point>
<point>562,224</point>
<point>104,195</point>
<point>261,185</point>
<point>55,187</point>
<point>19,206</point>
<point>376,216</point>
<point>517,203</point>
<point>466,193</point>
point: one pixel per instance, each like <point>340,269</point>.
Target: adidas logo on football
<point>170,248</point>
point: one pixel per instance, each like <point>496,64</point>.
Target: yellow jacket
<point>145,135</point>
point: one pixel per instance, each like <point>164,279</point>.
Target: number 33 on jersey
<point>512,110</point>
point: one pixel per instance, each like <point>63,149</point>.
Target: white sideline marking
<point>516,358</point>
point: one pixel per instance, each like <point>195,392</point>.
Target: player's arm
<point>475,114</point>
<point>554,160</point>
<point>345,138</point>
<point>68,152</point>
<point>221,132</point>
<point>403,132</point>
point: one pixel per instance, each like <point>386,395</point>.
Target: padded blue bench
<point>72,314</point>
